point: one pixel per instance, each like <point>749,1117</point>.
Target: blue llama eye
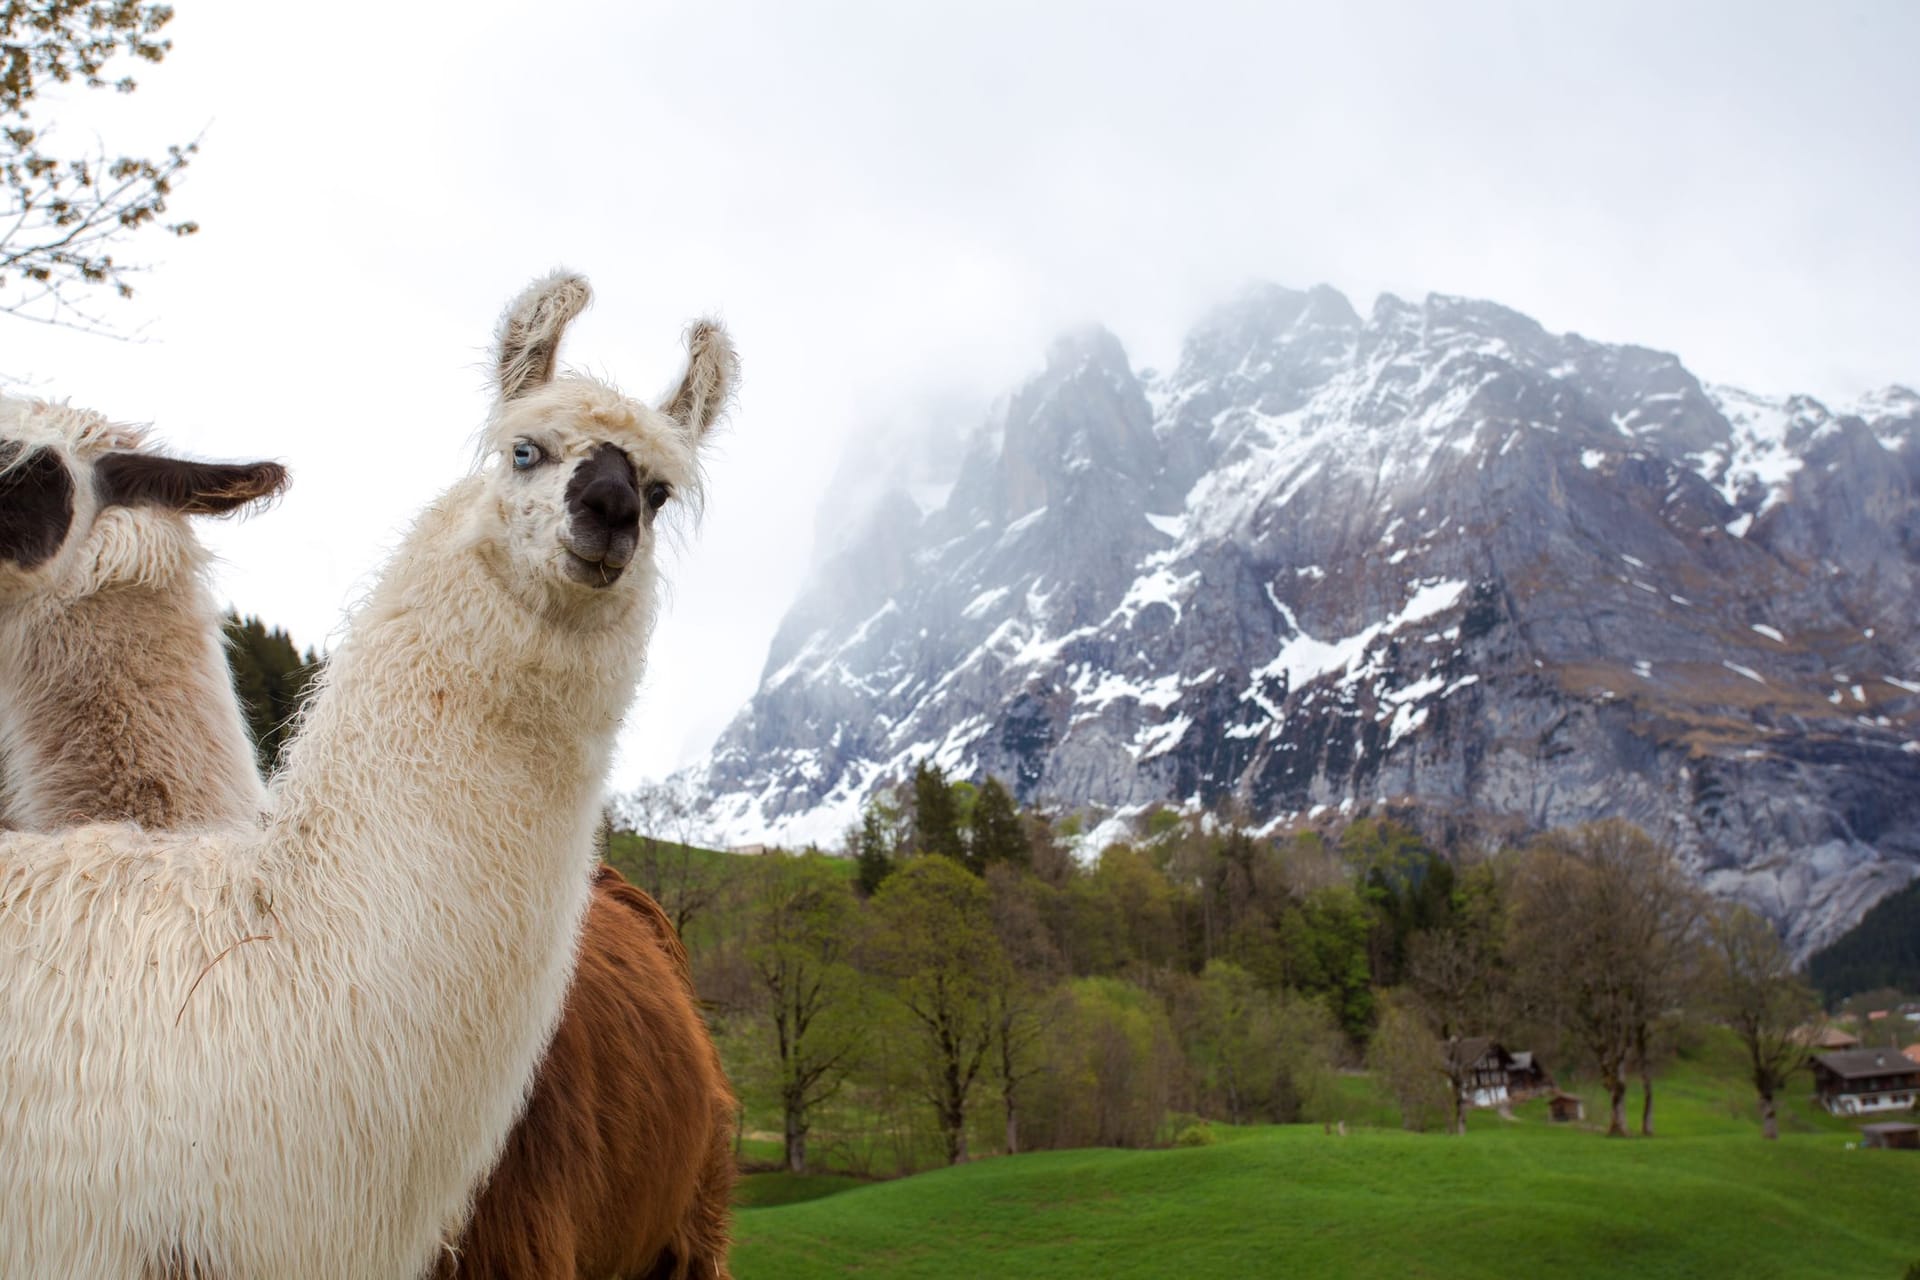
<point>525,454</point>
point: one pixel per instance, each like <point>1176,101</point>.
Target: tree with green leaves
<point>68,211</point>
<point>1751,984</point>
<point>1323,951</point>
<point>1413,1066</point>
<point>802,932</point>
<point>933,941</point>
<point>1018,996</point>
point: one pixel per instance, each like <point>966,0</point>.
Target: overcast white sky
<point>894,205</point>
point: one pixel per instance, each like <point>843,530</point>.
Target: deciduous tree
<point>803,929</point>
<point>934,943</point>
<point>1751,984</point>
<point>663,855</point>
<point>1603,931</point>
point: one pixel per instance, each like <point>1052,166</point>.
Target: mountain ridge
<point>1435,559</point>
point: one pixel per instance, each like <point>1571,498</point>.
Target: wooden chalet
<point>1481,1066</point>
<point>1857,1081</point>
<point>1491,1076</point>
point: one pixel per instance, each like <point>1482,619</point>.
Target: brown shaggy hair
<point>622,1165</point>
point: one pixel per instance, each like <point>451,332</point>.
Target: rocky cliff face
<point>1435,560</point>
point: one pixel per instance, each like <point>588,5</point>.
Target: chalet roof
<point>1471,1051</point>
<point>1856,1064</point>
<point>1890,1126</point>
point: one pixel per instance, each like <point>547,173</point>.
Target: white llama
<point>115,699</point>
<point>251,1054</point>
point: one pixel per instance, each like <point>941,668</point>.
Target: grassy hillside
<point>1519,1197</point>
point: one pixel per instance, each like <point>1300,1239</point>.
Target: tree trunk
<point>1013,1126</point>
<point>1617,1093</point>
<point>1769,1123</point>
<point>953,1113</point>
<point>796,1143</point>
<point>954,1120</point>
<point>1646,1104</point>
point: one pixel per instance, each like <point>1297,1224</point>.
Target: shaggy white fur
<point>251,1055</point>
<point>115,697</point>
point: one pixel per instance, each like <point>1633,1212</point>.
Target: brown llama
<point>594,1181</point>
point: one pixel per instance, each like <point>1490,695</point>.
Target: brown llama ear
<point>527,347</point>
<point>191,488</point>
<point>713,371</point>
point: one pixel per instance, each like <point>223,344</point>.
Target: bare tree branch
<point>66,212</point>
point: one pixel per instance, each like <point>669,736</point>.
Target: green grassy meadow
<point>1706,1198</point>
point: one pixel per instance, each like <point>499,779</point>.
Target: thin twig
<point>252,937</point>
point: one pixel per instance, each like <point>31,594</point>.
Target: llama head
<point>578,472</point>
<point>86,505</point>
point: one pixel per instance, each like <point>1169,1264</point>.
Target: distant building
<point>1493,1077</point>
<point>1482,1067</point>
<point>1857,1081</point>
<point>1828,1038</point>
<point>1564,1108</point>
<point>1892,1135</point>
<point>1526,1077</point>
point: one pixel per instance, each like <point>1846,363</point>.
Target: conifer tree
<point>997,833</point>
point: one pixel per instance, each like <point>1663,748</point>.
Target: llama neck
<point>457,730</point>
<point>118,706</point>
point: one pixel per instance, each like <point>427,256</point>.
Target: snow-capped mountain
<point>1436,560</point>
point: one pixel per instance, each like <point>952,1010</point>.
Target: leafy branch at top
<point>64,214</point>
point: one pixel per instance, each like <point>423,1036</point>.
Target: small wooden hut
<point>1892,1135</point>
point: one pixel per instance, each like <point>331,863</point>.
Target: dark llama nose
<point>603,495</point>
<point>613,500</point>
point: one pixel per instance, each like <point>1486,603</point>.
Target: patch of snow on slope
<point>1759,452</point>
<point>1160,586</point>
<point>808,650</point>
<point>1161,738</point>
<point>1303,658</point>
<point>983,602</point>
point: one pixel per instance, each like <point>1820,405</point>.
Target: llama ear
<point>528,344</point>
<point>191,488</point>
<point>713,371</point>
